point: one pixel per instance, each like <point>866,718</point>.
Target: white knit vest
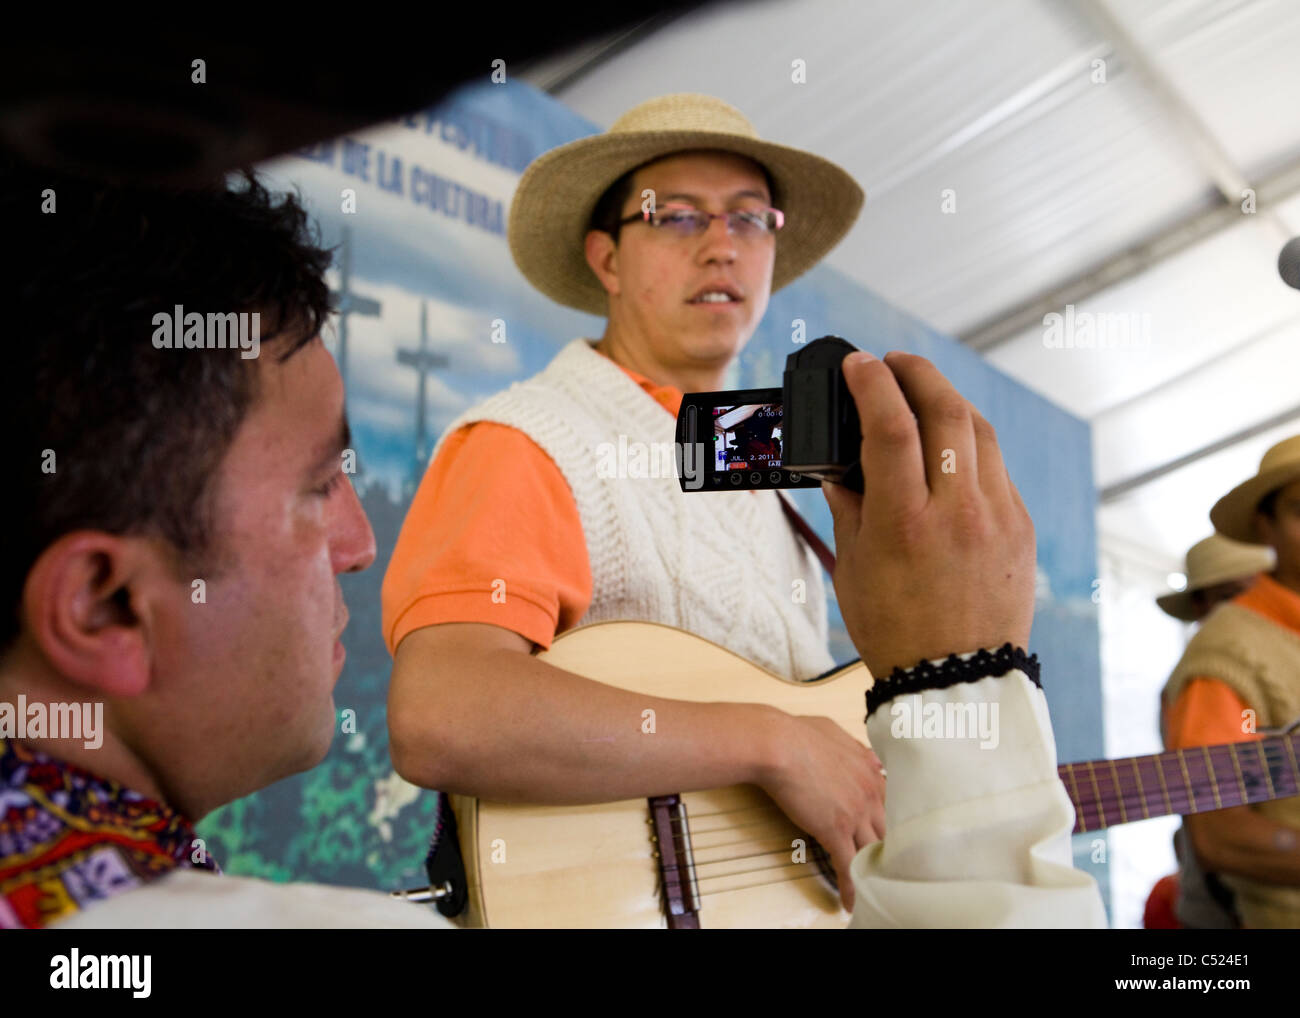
<point>722,565</point>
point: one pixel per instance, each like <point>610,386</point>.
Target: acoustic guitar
<point>729,858</point>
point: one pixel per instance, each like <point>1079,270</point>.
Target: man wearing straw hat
<point>676,225</point>
<point>1218,569</point>
<point>1239,675</point>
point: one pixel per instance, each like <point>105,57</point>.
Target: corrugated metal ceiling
<point>1060,181</point>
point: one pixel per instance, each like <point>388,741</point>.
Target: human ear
<point>602,256</point>
<point>1265,529</point>
<point>81,609</point>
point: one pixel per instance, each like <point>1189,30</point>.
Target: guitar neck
<point>1194,780</point>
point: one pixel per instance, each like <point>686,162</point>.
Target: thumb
<point>846,511</point>
<point>844,881</point>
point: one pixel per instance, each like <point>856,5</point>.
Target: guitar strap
<point>444,865</point>
<point>824,554</point>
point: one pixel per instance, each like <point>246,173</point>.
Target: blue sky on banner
<point>432,195</point>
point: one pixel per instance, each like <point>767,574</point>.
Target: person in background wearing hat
<point>1218,569</point>
<point>676,225</point>
<point>1239,675</point>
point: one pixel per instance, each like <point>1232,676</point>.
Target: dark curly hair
<point>137,433</point>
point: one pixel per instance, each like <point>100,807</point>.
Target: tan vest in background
<point>1260,661</point>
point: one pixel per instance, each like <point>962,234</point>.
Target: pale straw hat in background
<point>552,206</point>
<point>1215,560</point>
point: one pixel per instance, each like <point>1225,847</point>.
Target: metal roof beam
<point>1120,488</point>
<point>1132,262</point>
<point>1212,157</point>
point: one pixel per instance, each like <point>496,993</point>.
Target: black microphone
<point>1288,262</point>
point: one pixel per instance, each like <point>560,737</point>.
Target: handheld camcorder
<point>796,436</point>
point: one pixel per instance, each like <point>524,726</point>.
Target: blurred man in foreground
<point>176,520</point>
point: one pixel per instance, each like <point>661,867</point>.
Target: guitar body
<point>597,865</point>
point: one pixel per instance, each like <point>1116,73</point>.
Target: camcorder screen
<point>747,437</point>
<point>752,447</point>
<point>734,441</point>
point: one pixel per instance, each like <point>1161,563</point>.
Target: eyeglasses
<point>687,222</point>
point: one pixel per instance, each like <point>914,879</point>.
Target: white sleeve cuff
<point>978,823</point>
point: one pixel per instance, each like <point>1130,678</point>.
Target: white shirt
<point>191,899</point>
<point>977,828</point>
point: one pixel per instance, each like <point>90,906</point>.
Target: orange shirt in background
<point>1208,711</point>
<point>493,535</point>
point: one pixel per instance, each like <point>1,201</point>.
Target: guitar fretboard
<point>1182,781</point>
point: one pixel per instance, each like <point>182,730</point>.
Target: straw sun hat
<point>556,196</point>
<point>1213,561</point>
<point>1234,514</point>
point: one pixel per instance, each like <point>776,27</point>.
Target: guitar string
<point>1178,795</point>
<point>1089,815</point>
<point>1181,800</point>
<point>775,817</point>
<point>1274,754</point>
<point>695,875</point>
<point>784,831</point>
<point>683,829</point>
<point>1136,796</point>
<point>698,848</point>
<point>782,851</point>
<point>1089,808</point>
<point>693,837</point>
<point>768,869</point>
<point>748,887</point>
<point>814,872</point>
<point>1181,797</point>
<point>470,888</point>
<point>818,853</point>
<point>760,810</point>
<point>811,871</point>
<point>768,807</point>
<point>473,887</point>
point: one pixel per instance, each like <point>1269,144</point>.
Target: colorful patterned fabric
<point>69,838</point>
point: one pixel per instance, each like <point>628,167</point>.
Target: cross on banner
<point>423,360</point>
<point>348,303</point>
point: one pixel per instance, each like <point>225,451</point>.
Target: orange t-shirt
<point>493,535</point>
<point>1208,711</point>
